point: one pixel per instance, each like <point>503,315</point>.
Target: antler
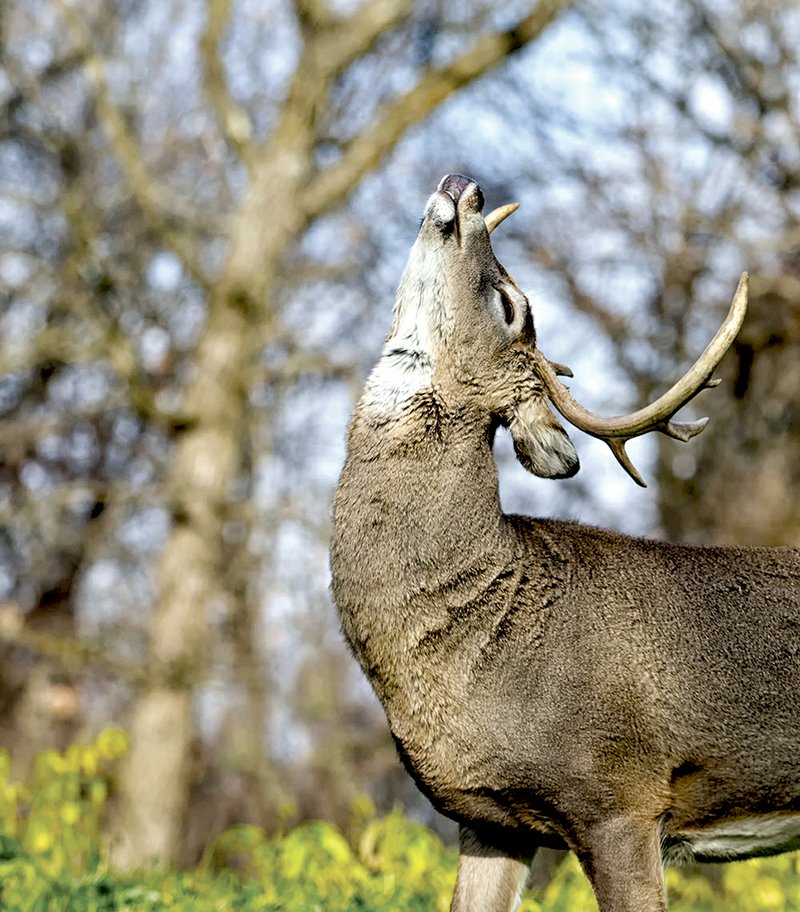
<point>498,215</point>
<point>657,416</point>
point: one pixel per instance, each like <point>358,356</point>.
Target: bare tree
<point>701,142</point>
<point>287,150</point>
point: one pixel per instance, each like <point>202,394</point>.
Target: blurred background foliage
<point>54,857</point>
<point>205,206</point>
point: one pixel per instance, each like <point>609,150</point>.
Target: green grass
<point>52,860</point>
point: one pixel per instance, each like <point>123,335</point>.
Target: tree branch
<point>232,118</point>
<point>71,653</point>
<point>366,151</point>
<point>343,40</point>
<point>145,190</point>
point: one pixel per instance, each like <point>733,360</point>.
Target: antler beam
<point>657,416</point>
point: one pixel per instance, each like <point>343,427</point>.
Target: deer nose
<point>454,186</point>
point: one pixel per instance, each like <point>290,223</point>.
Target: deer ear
<point>540,442</point>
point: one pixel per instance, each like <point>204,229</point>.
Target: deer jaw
<point>419,320</point>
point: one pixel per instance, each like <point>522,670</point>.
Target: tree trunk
<point>155,779</point>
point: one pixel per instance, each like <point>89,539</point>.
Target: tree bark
<point>155,778</point>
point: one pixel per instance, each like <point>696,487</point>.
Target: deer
<point>548,683</point>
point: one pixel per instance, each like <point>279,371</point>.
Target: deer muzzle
<point>457,186</point>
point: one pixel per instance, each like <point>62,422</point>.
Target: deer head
<point>463,327</point>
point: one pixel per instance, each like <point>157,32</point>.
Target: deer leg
<point>489,878</point>
<point>622,859</point>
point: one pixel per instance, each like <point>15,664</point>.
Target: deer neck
<point>418,535</point>
<point>421,487</point>
<point>425,566</point>
<point>418,528</point>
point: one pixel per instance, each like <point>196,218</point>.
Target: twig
<point>73,654</point>
<point>232,118</point>
<point>145,190</point>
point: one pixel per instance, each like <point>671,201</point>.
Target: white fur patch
<point>743,838</point>
<point>420,310</point>
<point>420,314</point>
<point>399,375</point>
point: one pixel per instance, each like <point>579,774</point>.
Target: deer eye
<point>507,305</point>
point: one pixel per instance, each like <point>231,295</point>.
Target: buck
<point>547,683</point>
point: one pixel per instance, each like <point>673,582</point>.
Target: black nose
<point>455,184</point>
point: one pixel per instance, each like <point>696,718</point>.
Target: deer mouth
<point>456,195</point>
<point>456,185</point>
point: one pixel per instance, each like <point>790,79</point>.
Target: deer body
<point>549,683</point>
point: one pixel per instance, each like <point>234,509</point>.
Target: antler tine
<point>498,215</point>
<point>657,416</point>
